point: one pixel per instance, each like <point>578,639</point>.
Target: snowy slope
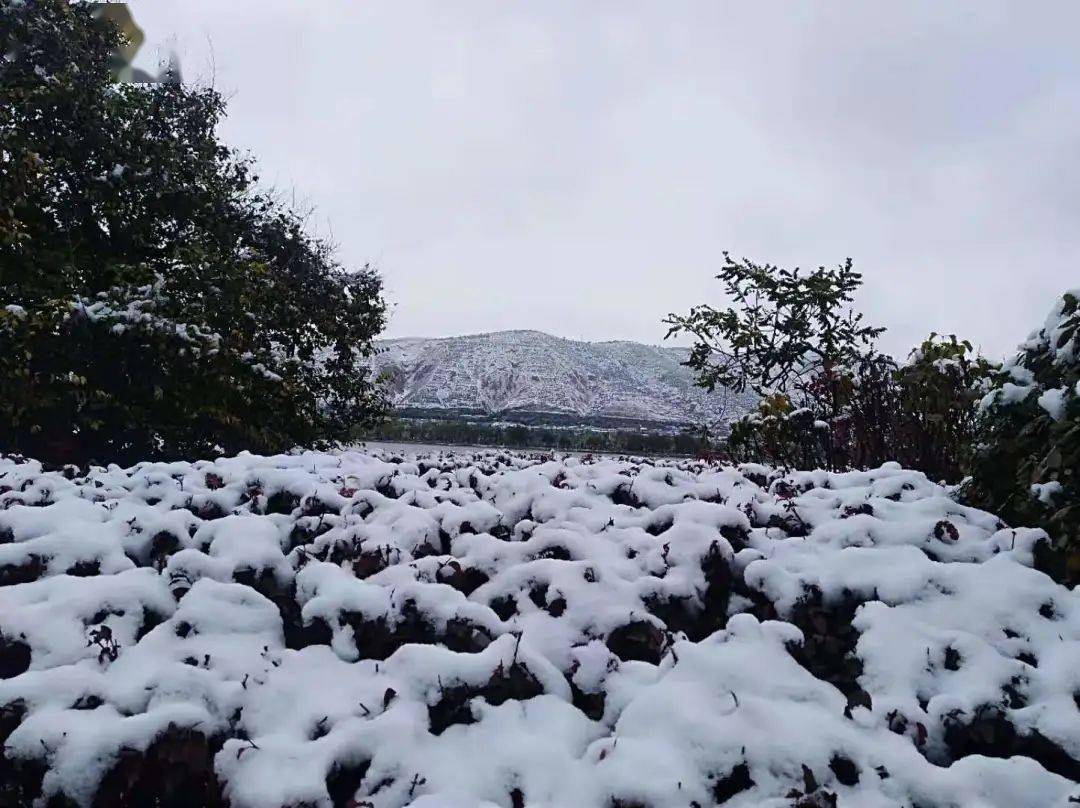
<point>493,630</point>
<point>535,372</point>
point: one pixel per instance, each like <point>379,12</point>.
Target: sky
<point>580,167</point>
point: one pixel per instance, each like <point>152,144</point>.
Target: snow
<point>1045,492</point>
<point>1059,332</point>
<point>515,371</point>
<point>496,629</point>
<point>1008,393</point>
<point>1054,402</point>
<point>1058,341</point>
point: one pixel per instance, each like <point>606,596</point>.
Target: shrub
<point>1027,459</point>
<point>153,301</point>
<point>829,398</point>
<point>936,420</point>
<point>779,434</point>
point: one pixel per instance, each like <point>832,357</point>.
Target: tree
<point>829,398</point>
<point>1026,466</point>
<point>789,335</point>
<point>939,386</point>
<point>154,301</point>
<point>785,330</point>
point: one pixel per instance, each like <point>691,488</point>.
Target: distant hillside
<point>533,377</point>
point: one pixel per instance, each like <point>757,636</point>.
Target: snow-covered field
<point>493,630</point>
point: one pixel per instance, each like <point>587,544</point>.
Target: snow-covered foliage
<point>365,629</point>
<point>1028,460</point>
<point>152,293</point>
<point>920,413</point>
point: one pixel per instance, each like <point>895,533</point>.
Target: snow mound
<point>490,629</point>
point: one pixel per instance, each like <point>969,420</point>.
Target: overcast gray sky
<point>578,167</point>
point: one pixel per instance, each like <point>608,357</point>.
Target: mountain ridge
<point>531,373</point>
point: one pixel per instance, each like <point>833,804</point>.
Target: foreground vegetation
<point>439,629</point>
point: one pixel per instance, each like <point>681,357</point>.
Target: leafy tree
<point>1026,466</point>
<point>789,335</point>
<point>153,300</point>
<point>828,397</point>
<point>786,330</point>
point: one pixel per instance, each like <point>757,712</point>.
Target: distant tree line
<point>520,436</point>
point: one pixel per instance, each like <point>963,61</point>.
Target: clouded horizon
<point>578,168</point>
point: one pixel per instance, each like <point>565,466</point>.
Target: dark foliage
<point>1026,467</point>
<point>786,330</point>
<point>153,301</point>
<point>520,436</point>
<point>829,398</point>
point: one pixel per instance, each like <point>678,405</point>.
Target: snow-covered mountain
<point>509,372</point>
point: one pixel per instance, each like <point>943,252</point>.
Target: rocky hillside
<point>510,372</point>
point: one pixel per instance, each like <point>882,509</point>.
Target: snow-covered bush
<point>920,413</point>
<point>151,296</point>
<point>1027,464</point>
<point>482,630</point>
